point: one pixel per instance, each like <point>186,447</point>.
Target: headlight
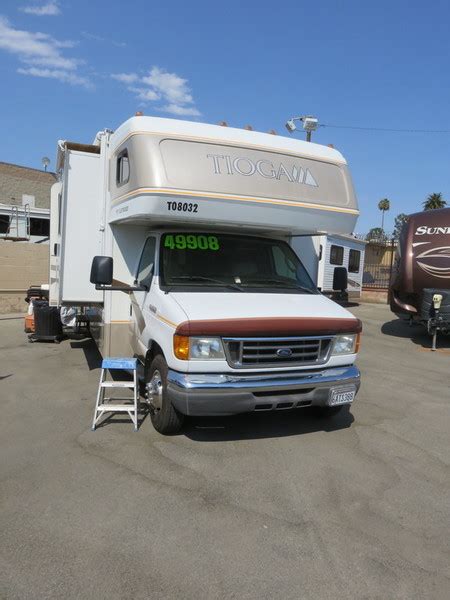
<point>198,348</point>
<point>345,344</point>
<point>206,348</point>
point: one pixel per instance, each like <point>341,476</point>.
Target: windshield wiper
<point>289,285</point>
<point>231,285</point>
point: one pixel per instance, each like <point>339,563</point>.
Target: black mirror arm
<point>121,288</point>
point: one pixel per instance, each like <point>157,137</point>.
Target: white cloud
<point>158,84</point>
<point>41,53</point>
<point>176,109</point>
<point>99,38</point>
<point>126,77</point>
<point>170,85</point>
<point>60,75</point>
<point>145,94</point>
<point>49,9</point>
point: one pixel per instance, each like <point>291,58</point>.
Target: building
<point>25,203</point>
<point>24,232</point>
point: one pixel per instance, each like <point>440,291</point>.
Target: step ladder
<point>111,404</point>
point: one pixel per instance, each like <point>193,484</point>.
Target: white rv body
<point>321,254</point>
<point>123,195</point>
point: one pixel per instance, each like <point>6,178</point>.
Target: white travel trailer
<point>195,220</point>
<point>324,255</point>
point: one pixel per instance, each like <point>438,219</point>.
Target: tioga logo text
<point>228,165</point>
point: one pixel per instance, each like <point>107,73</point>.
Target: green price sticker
<point>191,242</point>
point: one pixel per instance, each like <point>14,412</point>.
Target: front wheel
<point>164,417</point>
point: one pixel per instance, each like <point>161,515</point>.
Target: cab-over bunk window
<point>122,168</point>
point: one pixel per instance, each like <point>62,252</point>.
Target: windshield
<point>231,262</point>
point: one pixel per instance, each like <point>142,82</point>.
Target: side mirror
<point>340,279</point>
<point>102,277</point>
<point>102,270</point>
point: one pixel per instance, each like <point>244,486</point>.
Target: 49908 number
<point>182,206</point>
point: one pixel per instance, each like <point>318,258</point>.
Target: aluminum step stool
<point>108,405</point>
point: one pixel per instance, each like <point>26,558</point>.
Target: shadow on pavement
<point>273,424</point>
<point>350,304</point>
<point>91,352</point>
<point>415,332</point>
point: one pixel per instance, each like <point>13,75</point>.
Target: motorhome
<point>420,282</point>
<point>178,238</point>
<point>325,257</point>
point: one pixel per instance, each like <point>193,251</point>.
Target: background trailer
<point>321,254</point>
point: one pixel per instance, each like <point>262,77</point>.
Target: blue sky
<point>72,67</point>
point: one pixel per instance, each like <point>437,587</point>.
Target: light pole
<point>310,124</point>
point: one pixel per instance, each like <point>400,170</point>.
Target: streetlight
<point>309,124</point>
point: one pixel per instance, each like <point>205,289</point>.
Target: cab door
<point>139,299</point>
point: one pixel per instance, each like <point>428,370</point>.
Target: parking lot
<point>279,505</point>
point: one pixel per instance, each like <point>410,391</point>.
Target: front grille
<point>276,352</point>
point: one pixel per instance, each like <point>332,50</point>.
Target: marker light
<point>181,347</point>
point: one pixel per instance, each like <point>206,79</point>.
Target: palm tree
<point>383,205</point>
<point>434,201</point>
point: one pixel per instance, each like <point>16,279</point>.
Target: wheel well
<point>153,351</point>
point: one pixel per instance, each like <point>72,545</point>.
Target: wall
<point>21,265</point>
<point>16,181</point>
<point>374,296</point>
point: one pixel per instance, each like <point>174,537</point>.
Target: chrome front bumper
<point>204,394</point>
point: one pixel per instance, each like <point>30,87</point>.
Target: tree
<point>383,205</point>
<point>434,201</point>
<point>376,234</point>
<point>400,220</point>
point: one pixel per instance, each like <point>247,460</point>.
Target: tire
<point>325,412</point>
<point>165,418</point>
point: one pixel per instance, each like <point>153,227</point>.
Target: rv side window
<point>40,227</point>
<point>147,263</point>
<point>123,168</point>
<point>4,223</point>
<point>336,255</point>
<point>354,261</point>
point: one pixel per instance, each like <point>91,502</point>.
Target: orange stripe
<point>164,320</point>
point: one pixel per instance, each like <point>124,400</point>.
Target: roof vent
<point>222,123</point>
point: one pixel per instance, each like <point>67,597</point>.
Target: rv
<point>331,261</point>
<point>420,282</point>
<point>177,237</point>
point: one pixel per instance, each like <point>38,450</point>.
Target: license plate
<point>341,397</point>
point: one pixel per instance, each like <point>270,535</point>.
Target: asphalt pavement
<point>281,505</point>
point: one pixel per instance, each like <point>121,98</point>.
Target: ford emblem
<point>284,352</point>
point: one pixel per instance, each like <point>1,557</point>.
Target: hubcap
<point>155,391</point>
